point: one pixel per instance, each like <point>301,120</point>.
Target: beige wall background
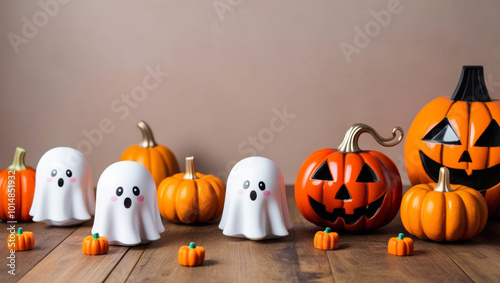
<point>68,66</point>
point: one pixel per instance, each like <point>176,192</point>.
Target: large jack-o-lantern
<point>349,188</point>
<point>462,134</point>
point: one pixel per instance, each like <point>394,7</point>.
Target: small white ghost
<point>255,206</point>
<point>127,210</point>
<point>64,191</point>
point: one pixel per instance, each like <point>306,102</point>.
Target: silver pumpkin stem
<point>148,140</point>
<point>350,142</point>
<point>443,184</point>
<point>190,170</point>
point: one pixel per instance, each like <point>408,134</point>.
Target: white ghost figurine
<point>255,206</point>
<point>64,191</point>
<point>127,210</point>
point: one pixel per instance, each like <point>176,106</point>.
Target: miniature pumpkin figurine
<point>191,197</point>
<point>461,133</point>
<point>191,255</point>
<point>95,245</point>
<point>326,240</point>
<point>158,159</point>
<point>17,185</point>
<point>400,245</point>
<point>349,188</point>
<point>443,212</point>
<point>23,240</point>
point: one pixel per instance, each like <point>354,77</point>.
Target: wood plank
<point>67,263</point>
<point>47,238</point>
<point>128,262</point>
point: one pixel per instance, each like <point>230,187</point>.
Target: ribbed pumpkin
<point>400,245</point>
<point>326,240</point>
<point>17,185</point>
<point>191,255</point>
<point>95,245</point>
<point>191,197</point>
<point>23,240</point>
<point>159,160</point>
<point>443,212</point>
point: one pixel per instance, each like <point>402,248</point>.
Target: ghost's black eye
<point>53,173</point>
<point>136,191</point>
<point>69,173</point>
<point>262,186</point>
<point>246,184</point>
<point>119,191</point>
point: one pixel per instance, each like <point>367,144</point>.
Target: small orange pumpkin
<point>21,241</point>
<point>400,245</point>
<point>191,197</point>
<point>443,212</point>
<point>17,185</point>
<point>326,240</point>
<point>191,255</point>
<point>95,245</point>
<point>159,160</point>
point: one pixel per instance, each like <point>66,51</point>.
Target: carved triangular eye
<point>367,175</point>
<point>490,137</point>
<point>323,173</point>
<point>442,133</point>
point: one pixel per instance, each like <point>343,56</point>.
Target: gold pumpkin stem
<point>190,171</point>
<point>18,163</point>
<point>443,184</point>
<point>350,142</point>
<point>148,140</point>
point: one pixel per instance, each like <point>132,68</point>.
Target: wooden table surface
<point>362,256</point>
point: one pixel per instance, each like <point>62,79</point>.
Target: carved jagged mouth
<point>479,179</point>
<point>349,219</point>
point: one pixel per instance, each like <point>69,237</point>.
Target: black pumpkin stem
<point>471,86</point>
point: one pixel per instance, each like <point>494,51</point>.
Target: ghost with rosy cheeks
<point>64,192</point>
<point>127,210</point>
<point>255,206</point>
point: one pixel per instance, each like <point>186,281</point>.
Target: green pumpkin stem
<point>192,245</point>
<point>327,230</point>
<point>401,236</point>
<point>350,142</point>
<point>190,170</point>
<point>18,163</point>
<point>20,231</point>
<point>148,140</point>
<point>96,235</point>
<point>471,86</point>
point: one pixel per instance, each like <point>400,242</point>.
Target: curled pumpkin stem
<point>350,142</point>
<point>148,140</point>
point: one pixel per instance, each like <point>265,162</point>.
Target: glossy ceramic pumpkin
<point>462,134</point>
<point>443,212</point>
<point>400,245</point>
<point>95,245</point>
<point>23,240</point>
<point>191,197</point>
<point>17,185</point>
<point>158,159</point>
<point>349,188</point>
<point>191,255</point>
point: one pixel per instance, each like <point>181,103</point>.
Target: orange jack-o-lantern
<point>348,188</point>
<point>462,134</point>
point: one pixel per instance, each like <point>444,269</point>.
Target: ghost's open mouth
<point>253,195</point>
<point>479,179</point>
<point>349,219</point>
<point>60,182</point>
<point>127,203</point>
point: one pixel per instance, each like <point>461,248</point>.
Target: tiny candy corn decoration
<point>400,245</point>
<point>191,255</point>
<point>326,240</point>
<point>21,241</point>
